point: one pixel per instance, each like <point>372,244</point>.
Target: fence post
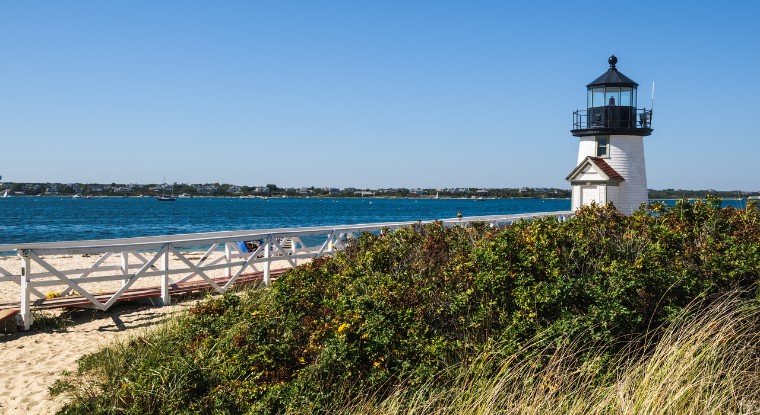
<point>125,266</point>
<point>268,263</point>
<point>26,311</point>
<point>228,258</point>
<point>166,299</point>
<point>293,249</point>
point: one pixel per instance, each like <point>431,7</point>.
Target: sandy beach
<point>33,360</point>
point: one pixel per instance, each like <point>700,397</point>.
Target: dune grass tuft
<point>705,362</point>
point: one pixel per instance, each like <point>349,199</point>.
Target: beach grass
<point>704,363</point>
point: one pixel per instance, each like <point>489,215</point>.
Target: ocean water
<point>48,219</point>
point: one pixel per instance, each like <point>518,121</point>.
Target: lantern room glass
<point>597,98</point>
<point>626,97</point>
<point>611,96</point>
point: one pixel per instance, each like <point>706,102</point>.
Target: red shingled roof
<point>606,168</point>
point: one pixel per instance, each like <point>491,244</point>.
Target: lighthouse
<point>611,130</point>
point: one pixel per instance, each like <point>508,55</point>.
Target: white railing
<point>177,259</point>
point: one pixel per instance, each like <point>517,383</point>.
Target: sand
<point>33,360</point>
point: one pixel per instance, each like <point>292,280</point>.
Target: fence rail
<point>177,259</point>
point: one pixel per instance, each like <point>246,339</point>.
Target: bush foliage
<point>404,307</point>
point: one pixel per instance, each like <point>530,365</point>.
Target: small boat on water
<point>5,193</point>
<point>164,197</point>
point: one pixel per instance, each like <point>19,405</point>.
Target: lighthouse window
<point>603,147</point>
<point>598,97</point>
<point>625,97</point>
<point>612,97</point>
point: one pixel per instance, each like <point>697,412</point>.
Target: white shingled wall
<point>586,148</point>
<point>576,200</point>
<point>612,193</point>
<point>627,158</point>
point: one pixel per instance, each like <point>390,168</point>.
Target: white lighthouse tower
<point>611,164</point>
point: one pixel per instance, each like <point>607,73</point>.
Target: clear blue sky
<point>368,94</point>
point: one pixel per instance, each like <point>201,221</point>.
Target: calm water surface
<point>45,219</point>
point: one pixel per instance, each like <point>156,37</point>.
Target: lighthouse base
<point>610,168</point>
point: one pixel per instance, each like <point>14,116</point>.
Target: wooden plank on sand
<point>77,301</point>
<point>8,320</point>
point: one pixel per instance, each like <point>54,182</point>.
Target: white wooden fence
<point>196,256</point>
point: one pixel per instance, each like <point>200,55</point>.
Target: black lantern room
<point>611,107</point>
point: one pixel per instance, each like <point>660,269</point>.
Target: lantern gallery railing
<point>612,117</point>
<point>51,271</point>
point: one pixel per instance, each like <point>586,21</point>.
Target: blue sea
<point>47,219</point>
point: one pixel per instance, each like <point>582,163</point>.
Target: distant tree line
<point>699,194</point>
<point>272,190</point>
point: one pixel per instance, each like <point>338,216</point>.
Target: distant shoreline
<point>425,197</point>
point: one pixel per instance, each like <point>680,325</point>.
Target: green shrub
<point>404,307</point>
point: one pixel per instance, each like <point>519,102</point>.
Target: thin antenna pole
<point>652,102</point>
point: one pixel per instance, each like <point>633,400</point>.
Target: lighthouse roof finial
<point>612,77</point>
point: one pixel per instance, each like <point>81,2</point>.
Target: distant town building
<point>206,189</point>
